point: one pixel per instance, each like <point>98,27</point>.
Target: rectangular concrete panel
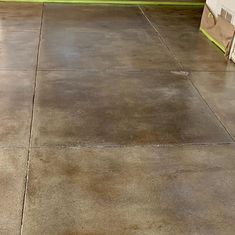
<point>178,190</point>
<point>74,107</point>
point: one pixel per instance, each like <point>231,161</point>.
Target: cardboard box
<point>218,23</point>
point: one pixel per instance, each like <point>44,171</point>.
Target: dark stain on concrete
<point>121,108</point>
<point>137,197</point>
<point>126,89</point>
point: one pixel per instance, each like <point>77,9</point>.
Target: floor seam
<point>209,107</point>
<point>161,38</point>
<point>124,70</point>
<point>181,67</point>
<point>116,145</point>
<point>131,145</point>
<point>31,124</point>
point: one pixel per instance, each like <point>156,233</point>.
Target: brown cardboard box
<point>218,29</point>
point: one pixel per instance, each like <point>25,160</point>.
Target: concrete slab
<point>16,95</point>
<point>81,18</point>
<point>20,16</point>
<point>75,107</point>
<point>218,91</point>
<point>109,84</point>
<point>104,42</point>
<point>12,176</point>
<point>141,191</point>
<point>196,53</point>
<point>179,28</point>
<point>174,18</point>
<point>18,50</point>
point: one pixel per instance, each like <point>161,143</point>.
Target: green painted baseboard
<point>212,40</point>
<point>117,2</point>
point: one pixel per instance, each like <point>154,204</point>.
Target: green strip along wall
<point>116,2</point>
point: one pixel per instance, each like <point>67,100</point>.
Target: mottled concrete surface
<point>20,16</point>
<point>12,187</point>
<point>75,107</point>
<point>138,190</point>
<point>16,94</point>
<point>123,42</point>
<point>180,33</point>
<point>218,90</point>
<point>174,19</point>
<point>114,120</point>
<point>19,35</point>
<point>18,50</point>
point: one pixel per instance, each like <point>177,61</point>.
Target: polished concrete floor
<point>114,120</point>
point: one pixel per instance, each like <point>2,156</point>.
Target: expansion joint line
<point>212,111</point>
<point>162,40</point>
<point>190,80</point>
<point>31,123</point>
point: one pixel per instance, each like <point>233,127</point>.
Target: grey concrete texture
<point>12,187</point>
<point>218,90</point>
<point>16,94</point>
<point>132,190</point>
<point>179,29</point>
<point>114,120</point>
<point>19,27</point>
<point>18,16</point>
<point>113,108</point>
<point>94,41</point>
